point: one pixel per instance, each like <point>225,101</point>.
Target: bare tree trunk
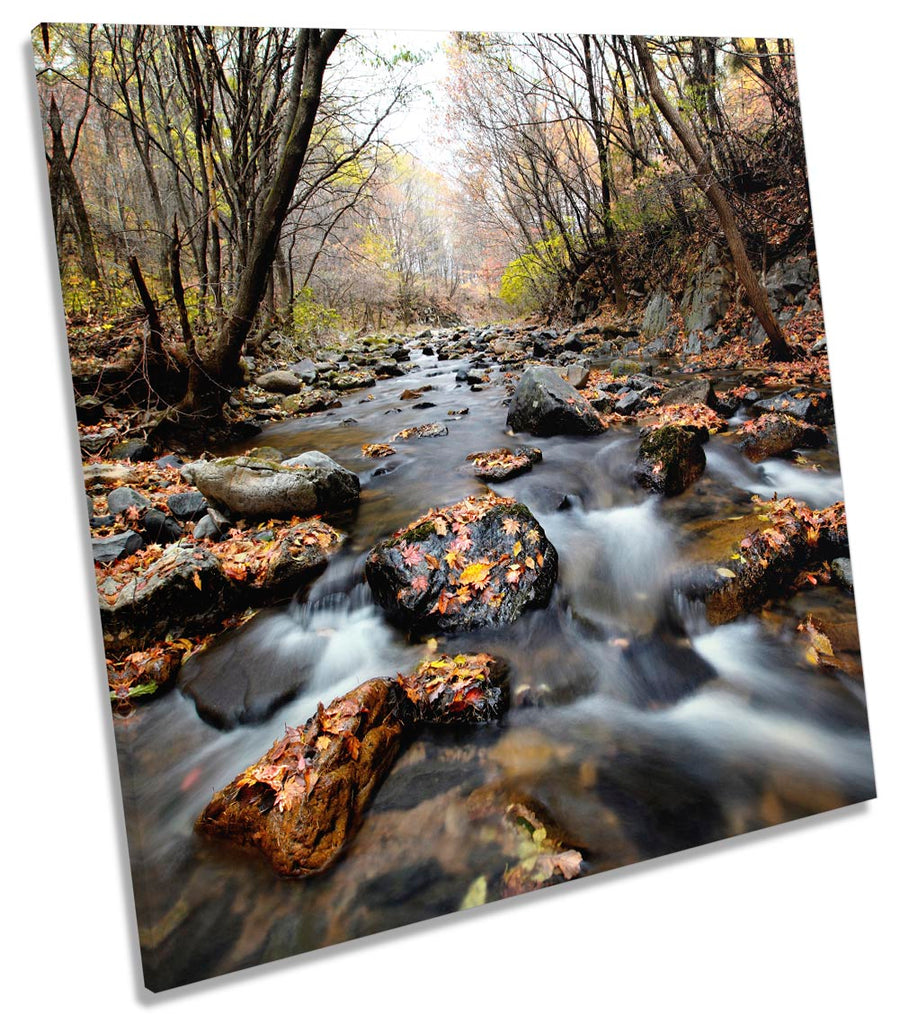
<point>178,288</point>
<point>64,185</point>
<point>602,144</point>
<point>209,383</point>
<point>777,347</point>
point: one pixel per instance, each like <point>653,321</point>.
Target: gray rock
<point>305,369</point>
<point>843,572</point>
<point>123,498</point>
<point>544,404</point>
<point>170,460</point>
<point>813,406</point>
<point>693,346</point>
<point>166,598</point>
<point>89,410</point>
<point>575,374</point>
<point>96,442</point>
<point>307,484</point>
<point>158,528</point>
<point>692,392</point>
<point>187,505</point>
<point>281,382</point>
<point>669,459</point>
<point>708,295</point>
<point>625,367</point>
<point>656,315</point>
<point>788,283</point>
<point>205,528</point>
<point>118,545</point>
<point>310,401</point>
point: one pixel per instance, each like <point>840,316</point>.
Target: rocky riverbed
<point>680,662</point>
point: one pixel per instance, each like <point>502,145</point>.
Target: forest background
<point>788,920</point>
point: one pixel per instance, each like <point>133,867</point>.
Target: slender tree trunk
<point>777,347</point>
<point>602,144</point>
<point>209,383</point>
<point>64,185</point>
<point>178,288</point>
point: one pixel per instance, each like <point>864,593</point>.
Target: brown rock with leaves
<point>769,559</point>
<point>303,800</point>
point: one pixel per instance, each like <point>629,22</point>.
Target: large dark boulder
<point>187,505</point>
<point>136,450</point>
<point>255,488</point>
<point>480,562</point>
<point>774,434</point>
<point>670,459</point>
<point>802,403</point>
<point>302,802</point>
<point>544,404</point>
<point>767,560</point>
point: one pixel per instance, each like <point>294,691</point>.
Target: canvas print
<point>459,462</point>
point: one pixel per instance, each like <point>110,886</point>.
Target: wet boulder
<point>480,562</point>
<point>670,459</point>
<point>296,556</point>
<point>301,803</point>
<point>456,689</point>
<point>843,572</point>
<point>423,430</point>
<point>814,407</point>
<point>184,590</point>
<point>544,404</point>
<point>774,434</point>
<point>158,528</point>
<point>502,463</point>
<point>255,488</point>
<point>89,410</point>
<point>767,560</point>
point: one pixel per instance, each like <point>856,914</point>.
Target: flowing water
<point>640,729</point>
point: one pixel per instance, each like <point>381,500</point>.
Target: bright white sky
<point>418,127</point>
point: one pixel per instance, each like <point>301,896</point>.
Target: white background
<point>797,923</point>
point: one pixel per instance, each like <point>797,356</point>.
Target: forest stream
<point>639,728</point>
